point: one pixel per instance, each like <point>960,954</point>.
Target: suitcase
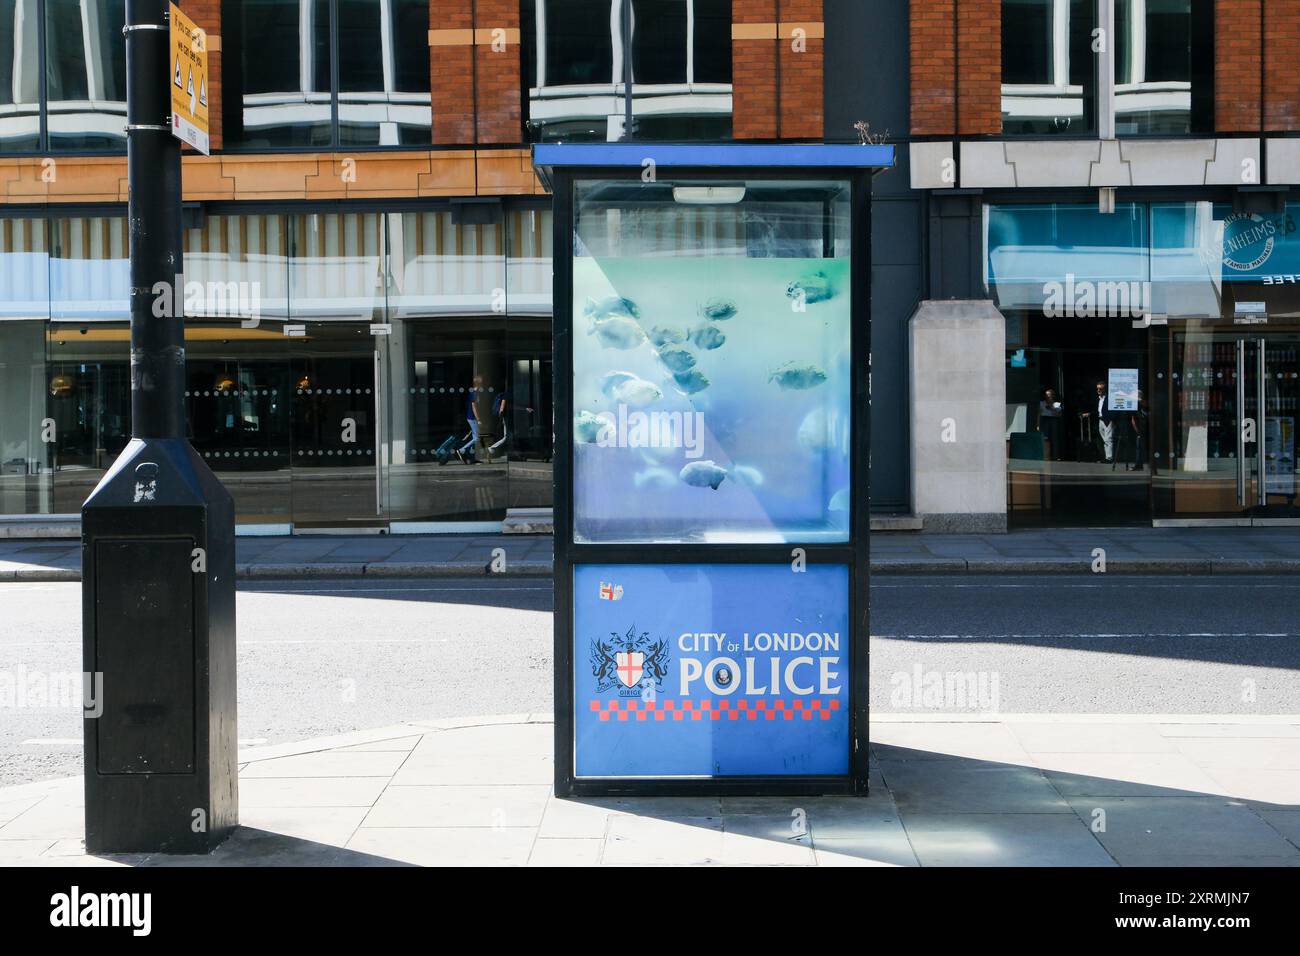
<point>444,451</point>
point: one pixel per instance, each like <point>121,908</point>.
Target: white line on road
<point>53,742</point>
<point>1042,583</point>
<point>1033,637</point>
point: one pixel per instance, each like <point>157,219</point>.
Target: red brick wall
<point>753,73</point>
<point>1281,65</point>
<point>499,79</point>
<point>933,59</point>
<point>1236,65</point>
<point>979,67</point>
<point>802,85</point>
<point>451,75</point>
<point>207,14</point>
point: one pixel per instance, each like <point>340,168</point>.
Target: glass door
<point>335,427</point>
<point>1226,427</point>
<point>1278,358</point>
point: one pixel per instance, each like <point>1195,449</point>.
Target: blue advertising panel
<point>711,670</point>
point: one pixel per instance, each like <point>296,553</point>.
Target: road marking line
<point>1035,637</point>
<point>53,742</point>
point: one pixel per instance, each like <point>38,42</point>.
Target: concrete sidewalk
<point>1028,790</point>
<point>1061,550</point>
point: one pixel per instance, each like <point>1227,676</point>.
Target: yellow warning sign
<point>189,46</point>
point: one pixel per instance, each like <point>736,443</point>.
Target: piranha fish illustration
<point>587,427</point>
<point>813,286</point>
<point>707,337</point>
<point>636,392</point>
<point>703,474</point>
<point>677,359</point>
<point>688,383</point>
<point>718,310</point>
<point>609,306</point>
<point>797,377</point>
<point>610,380</point>
<point>662,335</point>
<point>617,332</point>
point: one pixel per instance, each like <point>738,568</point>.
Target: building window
<point>1164,67</point>
<point>84,89</point>
<point>678,63</point>
<point>1049,82</point>
<point>326,73</point>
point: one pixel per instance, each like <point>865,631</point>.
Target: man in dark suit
<point>1105,423</point>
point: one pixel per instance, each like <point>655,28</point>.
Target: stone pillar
<point>958,407</point>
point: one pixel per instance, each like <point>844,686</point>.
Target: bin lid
<point>548,157</point>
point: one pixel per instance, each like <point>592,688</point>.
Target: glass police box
<point>712,363</point>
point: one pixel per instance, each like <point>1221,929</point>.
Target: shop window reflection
<point>280,91</point>
<point>678,53</point>
<point>85,70</point>
<point>1048,81</point>
<point>84,62</point>
<point>20,91</point>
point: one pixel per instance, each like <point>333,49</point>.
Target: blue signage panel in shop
<point>690,670</point>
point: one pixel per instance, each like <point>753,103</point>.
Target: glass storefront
<point>334,362</point>
<point>1153,362</point>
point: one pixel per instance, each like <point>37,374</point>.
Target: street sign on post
<point>189,81</point>
<point>712,364</point>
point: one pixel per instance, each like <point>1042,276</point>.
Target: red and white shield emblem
<point>629,666</point>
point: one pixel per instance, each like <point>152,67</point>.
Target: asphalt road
<point>318,658</point>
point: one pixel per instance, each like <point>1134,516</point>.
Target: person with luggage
<point>471,417</point>
<point>499,409</point>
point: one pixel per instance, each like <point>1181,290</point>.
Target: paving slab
<point>1003,839</point>
<point>1108,774</point>
<point>1184,831</point>
<point>962,786</point>
<point>565,852</point>
<point>459,806</point>
<point>1091,738</point>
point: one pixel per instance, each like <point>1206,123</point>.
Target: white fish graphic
<point>662,335</point>
<point>707,337</point>
<point>718,310</point>
<point>587,427</point>
<point>797,377</point>
<point>703,474</point>
<point>677,360</point>
<point>812,286</point>
<point>636,392</point>
<point>611,305</point>
<point>617,332</point>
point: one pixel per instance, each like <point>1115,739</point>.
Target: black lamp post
<point>158,544</point>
